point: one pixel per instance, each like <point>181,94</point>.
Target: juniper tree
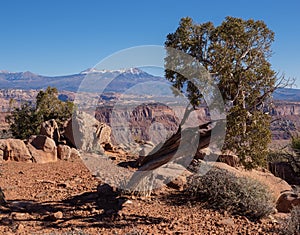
<point>237,55</point>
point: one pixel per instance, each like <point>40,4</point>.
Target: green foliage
<point>277,156</point>
<point>236,54</point>
<point>238,195</point>
<point>295,143</point>
<point>26,120</point>
<point>293,224</point>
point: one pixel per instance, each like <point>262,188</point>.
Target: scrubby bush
<point>238,195</point>
<point>293,224</point>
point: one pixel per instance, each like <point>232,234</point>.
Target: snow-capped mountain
<point>122,79</point>
<point>118,71</point>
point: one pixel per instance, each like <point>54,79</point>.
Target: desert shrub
<point>293,224</point>
<point>25,121</point>
<point>238,195</point>
<point>295,142</point>
<point>277,156</point>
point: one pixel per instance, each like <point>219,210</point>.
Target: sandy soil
<point>62,198</point>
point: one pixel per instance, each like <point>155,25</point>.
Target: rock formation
<point>14,150</point>
<point>287,201</point>
<point>50,129</point>
<point>85,133</point>
<point>43,149</point>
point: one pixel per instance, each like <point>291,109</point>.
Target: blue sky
<point>63,37</point>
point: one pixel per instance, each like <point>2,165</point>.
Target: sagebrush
<point>293,224</point>
<point>238,195</point>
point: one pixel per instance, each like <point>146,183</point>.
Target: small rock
<point>20,216</point>
<point>63,185</point>
<point>58,215</point>
<point>20,228</point>
<point>179,183</point>
<point>226,222</point>
<point>128,202</point>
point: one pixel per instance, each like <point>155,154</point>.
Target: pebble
<point>20,216</point>
<point>58,215</point>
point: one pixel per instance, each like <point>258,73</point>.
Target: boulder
<point>42,149</point>
<point>50,129</point>
<point>14,150</point>
<point>74,154</point>
<point>180,182</point>
<point>83,131</point>
<point>287,201</point>
<point>65,152</point>
<point>230,158</point>
<point>171,174</point>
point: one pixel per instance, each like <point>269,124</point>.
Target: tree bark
<point>183,144</point>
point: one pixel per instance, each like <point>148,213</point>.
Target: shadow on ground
<point>81,211</point>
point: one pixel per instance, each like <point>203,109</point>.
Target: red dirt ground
<point>62,198</point>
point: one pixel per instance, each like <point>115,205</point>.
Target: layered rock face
<point>287,117</point>
<point>148,122</point>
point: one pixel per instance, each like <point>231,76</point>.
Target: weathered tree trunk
<point>183,144</point>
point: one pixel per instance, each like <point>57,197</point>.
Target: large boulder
<point>43,149</point>
<point>86,133</point>
<point>50,129</point>
<point>14,150</point>
<point>287,201</point>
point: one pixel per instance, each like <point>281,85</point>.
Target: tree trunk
<point>183,144</point>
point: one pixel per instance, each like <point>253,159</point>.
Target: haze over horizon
<point>54,38</point>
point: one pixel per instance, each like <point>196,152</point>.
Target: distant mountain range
<point>287,94</point>
<point>121,80</point>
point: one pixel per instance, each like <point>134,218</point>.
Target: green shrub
<point>295,143</point>
<point>26,120</point>
<point>293,224</point>
<point>238,195</point>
